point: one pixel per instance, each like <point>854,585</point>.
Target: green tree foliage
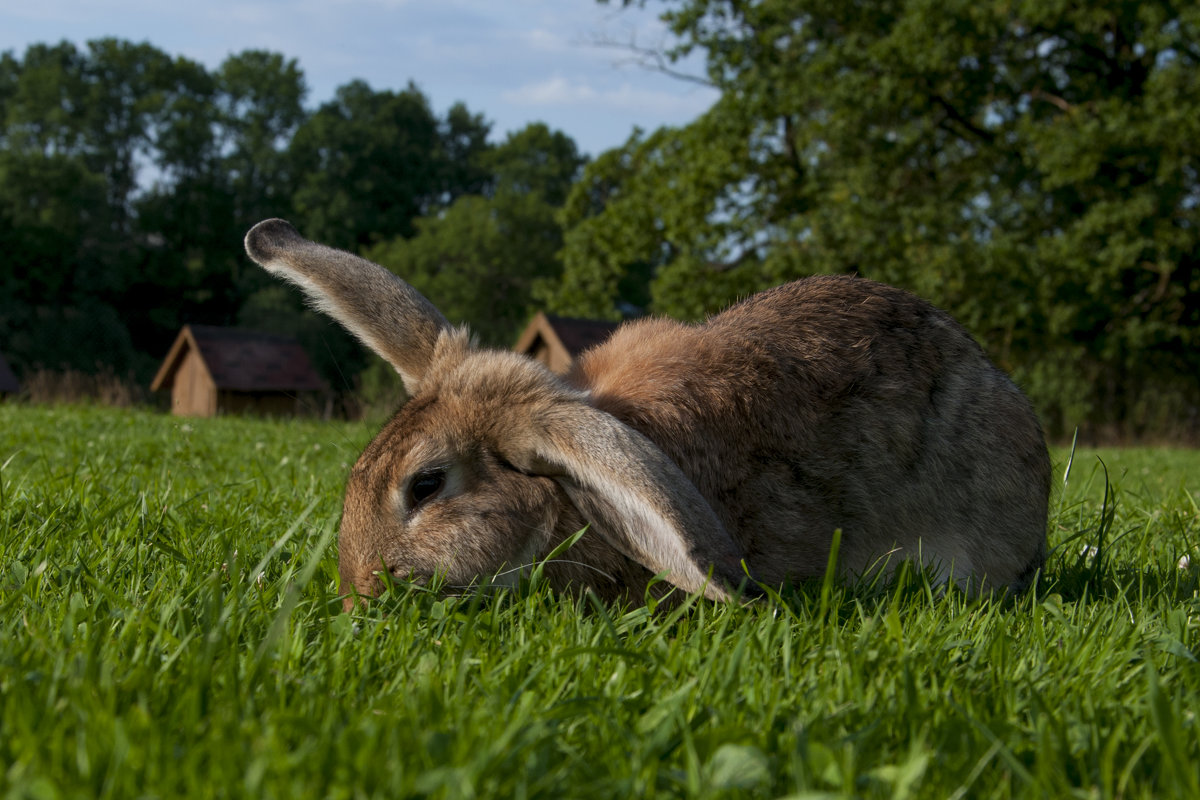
<point>76,128</point>
<point>534,161</point>
<point>480,259</point>
<point>1030,166</point>
<point>368,163</point>
<point>128,178</point>
<point>260,105</point>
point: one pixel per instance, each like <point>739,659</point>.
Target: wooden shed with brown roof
<point>212,370</point>
<point>8,381</point>
<point>557,341</point>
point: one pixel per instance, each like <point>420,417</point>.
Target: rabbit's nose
<point>359,585</point>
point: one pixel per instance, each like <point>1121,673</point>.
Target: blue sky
<point>514,61</point>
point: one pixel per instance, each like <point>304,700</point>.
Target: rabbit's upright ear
<point>389,316</point>
<point>644,505</point>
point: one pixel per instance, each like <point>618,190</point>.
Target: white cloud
<point>543,41</point>
<point>560,91</point>
<point>551,92</point>
<point>255,14</point>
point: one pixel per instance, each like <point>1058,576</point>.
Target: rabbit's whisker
<point>558,561</point>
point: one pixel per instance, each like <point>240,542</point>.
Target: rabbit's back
<point>839,403</point>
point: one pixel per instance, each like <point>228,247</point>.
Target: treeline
<point>1034,168</point>
<point>128,178</point>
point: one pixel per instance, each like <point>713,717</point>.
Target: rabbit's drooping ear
<point>645,507</point>
<point>389,316</point>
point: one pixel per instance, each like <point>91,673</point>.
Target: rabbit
<point>718,457</point>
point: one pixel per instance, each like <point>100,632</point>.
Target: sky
<point>514,61</point>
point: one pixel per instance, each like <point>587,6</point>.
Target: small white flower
<point>1185,562</point>
<point>185,428</point>
<point>316,447</point>
<point>1089,551</point>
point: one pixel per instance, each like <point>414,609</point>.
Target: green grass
<point>169,626</point>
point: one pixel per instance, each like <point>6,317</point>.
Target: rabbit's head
<point>494,460</point>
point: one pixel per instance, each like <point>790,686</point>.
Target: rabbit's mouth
<point>440,581</point>
<point>381,582</point>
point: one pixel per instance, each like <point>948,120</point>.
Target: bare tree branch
<point>654,59</point>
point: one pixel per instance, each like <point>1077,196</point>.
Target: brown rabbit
<point>698,452</point>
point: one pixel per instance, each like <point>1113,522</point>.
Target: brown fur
<point>837,403</point>
<point>828,403</point>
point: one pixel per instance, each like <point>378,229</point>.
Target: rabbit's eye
<point>424,486</point>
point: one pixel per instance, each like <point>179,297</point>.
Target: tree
<point>481,259</point>
<point>222,165</point>
<point>260,98</point>
<point>534,161</point>
<point>463,144</point>
<point>369,163</point>
<point>128,178</point>
<point>1029,166</point>
<point>75,129</point>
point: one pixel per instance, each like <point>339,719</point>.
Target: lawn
<point>169,626</point>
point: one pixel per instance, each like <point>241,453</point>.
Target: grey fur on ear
<point>641,502</point>
<point>385,313</point>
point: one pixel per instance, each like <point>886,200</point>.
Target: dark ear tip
<point>266,239</point>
